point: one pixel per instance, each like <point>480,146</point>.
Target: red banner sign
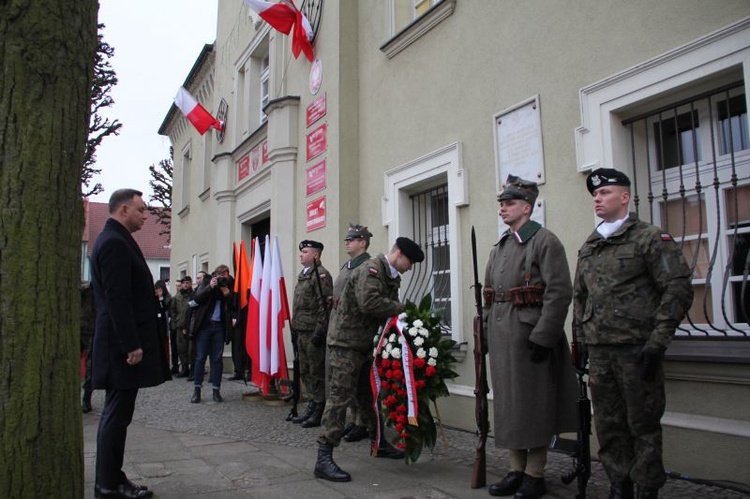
<point>316,109</point>
<point>316,214</point>
<point>243,167</point>
<point>315,178</point>
<point>317,141</point>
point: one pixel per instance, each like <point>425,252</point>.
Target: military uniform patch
<point>667,237</point>
<point>373,271</point>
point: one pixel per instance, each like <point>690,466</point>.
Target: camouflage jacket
<point>338,286</point>
<point>632,287</point>
<point>310,312</point>
<point>178,310</point>
<point>369,297</point>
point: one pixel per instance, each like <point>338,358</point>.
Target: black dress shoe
<point>531,488</point>
<point>508,485</point>
<point>236,377</point>
<point>347,428</point>
<point>124,491</point>
<point>127,483</point>
<point>356,434</point>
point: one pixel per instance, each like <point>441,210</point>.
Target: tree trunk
<point>47,51</point>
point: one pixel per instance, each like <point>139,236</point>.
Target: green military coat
<point>310,309</point>
<point>532,401</point>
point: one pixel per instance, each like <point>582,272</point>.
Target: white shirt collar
<point>606,229</point>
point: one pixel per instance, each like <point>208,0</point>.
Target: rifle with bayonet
<point>582,458</point>
<point>481,388</point>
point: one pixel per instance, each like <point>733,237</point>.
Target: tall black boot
<point>308,412</point>
<point>385,449</point>
<point>314,420</point>
<point>86,402</point>
<point>326,467</point>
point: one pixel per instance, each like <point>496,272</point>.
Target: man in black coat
<point>127,352</point>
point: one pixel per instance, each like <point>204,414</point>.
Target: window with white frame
<point>678,125</point>
<point>264,93</point>
<point>408,20</point>
<point>185,176</point>
<point>421,201</point>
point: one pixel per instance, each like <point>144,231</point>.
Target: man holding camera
<point>310,313</point>
<point>211,324</point>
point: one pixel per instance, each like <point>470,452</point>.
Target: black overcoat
<point>126,314</point>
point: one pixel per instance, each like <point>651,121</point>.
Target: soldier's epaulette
<point>667,237</point>
<point>373,271</point>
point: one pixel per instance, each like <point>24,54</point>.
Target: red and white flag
<point>195,112</point>
<point>252,335</point>
<point>279,314</point>
<point>284,16</point>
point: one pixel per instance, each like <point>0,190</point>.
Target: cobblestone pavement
<point>164,415</point>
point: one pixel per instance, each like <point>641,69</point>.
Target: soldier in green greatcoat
<point>369,297</point>
<point>632,288</point>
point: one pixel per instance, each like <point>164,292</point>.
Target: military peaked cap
<point>410,249</point>
<point>518,188</point>
<point>307,243</point>
<point>606,176</point>
<point>357,232</point>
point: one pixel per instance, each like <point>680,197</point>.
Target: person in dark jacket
<point>211,323</point>
<point>88,317</point>
<point>127,352</point>
<point>162,319</point>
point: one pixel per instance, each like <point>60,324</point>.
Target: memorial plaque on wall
<point>316,109</point>
<point>315,178</point>
<point>243,167</point>
<point>317,141</point>
<point>518,137</point>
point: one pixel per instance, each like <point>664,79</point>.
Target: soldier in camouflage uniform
<point>632,288</point>
<point>357,241</point>
<point>179,321</point>
<point>369,297</point>
<point>310,322</point>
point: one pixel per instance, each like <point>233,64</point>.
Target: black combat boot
<point>326,467</point>
<point>531,488</point>
<point>86,402</point>
<point>508,485</point>
<point>314,419</point>
<point>385,449</point>
<point>217,396</point>
<point>356,434</point>
<point>196,398</point>
<point>308,412</point>
<point>621,490</point>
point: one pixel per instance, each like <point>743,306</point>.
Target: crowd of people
<point>631,289</point>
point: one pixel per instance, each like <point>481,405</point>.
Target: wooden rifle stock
<point>481,388</point>
<point>582,464</point>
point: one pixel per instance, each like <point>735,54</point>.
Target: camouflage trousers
<point>627,415</point>
<point>312,366</point>
<point>349,378</point>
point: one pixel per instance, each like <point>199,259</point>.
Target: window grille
<point>692,159</point>
<point>430,229</point>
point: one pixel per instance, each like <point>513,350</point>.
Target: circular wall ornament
<point>316,76</point>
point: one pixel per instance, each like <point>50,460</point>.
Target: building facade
<point>412,114</point>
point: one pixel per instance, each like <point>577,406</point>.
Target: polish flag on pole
<point>285,17</point>
<point>279,314</point>
<point>252,336</point>
<point>195,112</point>
<point>264,326</point>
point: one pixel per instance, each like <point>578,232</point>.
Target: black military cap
<point>357,232</point>
<point>307,243</point>
<point>187,278</point>
<point>606,176</point>
<point>518,188</point>
<point>410,249</point>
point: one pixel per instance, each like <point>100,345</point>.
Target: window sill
<point>205,194</point>
<point>417,28</point>
<point>713,351</point>
<point>184,212</point>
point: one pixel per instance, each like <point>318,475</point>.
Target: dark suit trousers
<point>117,414</point>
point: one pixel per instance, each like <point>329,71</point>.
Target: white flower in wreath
<point>385,354</point>
<point>418,323</point>
<point>402,316</point>
<point>396,353</point>
<point>392,338</point>
<point>423,332</point>
<point>413,332</point>
<point>433,352</point>
<point>421,353</point>
<point>432,362</point>
<point>418,341</point>
<point>388,347</point>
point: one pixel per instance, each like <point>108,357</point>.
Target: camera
<point>221,281</point>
